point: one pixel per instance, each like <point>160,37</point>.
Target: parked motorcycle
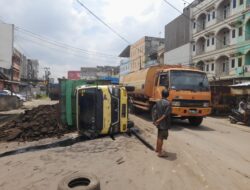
<point>236,116</point>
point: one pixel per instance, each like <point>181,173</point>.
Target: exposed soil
<point>37,123</point>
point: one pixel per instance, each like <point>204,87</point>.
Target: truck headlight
<point>176,104</point>
<point>206,104</point>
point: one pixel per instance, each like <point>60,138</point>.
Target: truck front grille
<point>191,103</point>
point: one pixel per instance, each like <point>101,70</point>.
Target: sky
<point>63,36</point>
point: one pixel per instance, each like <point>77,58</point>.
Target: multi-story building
<point>178,39</point>
<point>24,68</point>
<point>33,69</point>
<point>12,75</point>
<point>221,38</point>
<point>125,64</point>
<point>93,73</point>
<point>141,51</point>
<point>16,63</point>
<point>145,52</point>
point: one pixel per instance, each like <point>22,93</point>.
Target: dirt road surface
<point>213,156</point>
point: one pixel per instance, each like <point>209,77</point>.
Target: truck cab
<point>102,110</point>
<point>189,93</point>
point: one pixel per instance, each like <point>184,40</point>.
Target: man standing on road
<point>163,115</point>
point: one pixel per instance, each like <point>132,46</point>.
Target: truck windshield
<point>189,80</point>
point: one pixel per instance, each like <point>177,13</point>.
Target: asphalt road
<point>215,155</point>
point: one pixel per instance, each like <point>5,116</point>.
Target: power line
<point>99,19</point>
<point>61,44</point>
<point>109,27</point>
<point>43,44</point>
<point>41,41</point>
<point>57,43</point>
<point>24,51</point>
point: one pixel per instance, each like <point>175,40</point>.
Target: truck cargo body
<point>188,88</point>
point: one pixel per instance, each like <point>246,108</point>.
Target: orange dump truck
<point>188,88</point>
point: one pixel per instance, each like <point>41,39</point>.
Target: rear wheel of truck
<point>153,113</point>
<point>195,121</point>
<point>132,109</point>
<point>233,121</point>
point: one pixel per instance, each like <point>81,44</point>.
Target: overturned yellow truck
<point>102,109</point>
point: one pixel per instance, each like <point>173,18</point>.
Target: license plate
<point>193,111</point>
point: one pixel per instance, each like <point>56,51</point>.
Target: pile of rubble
<point>40,122</point>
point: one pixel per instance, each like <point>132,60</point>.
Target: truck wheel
<point>195,121</point>
<point>79,181</point>
<point>132,109</point>
<point>130,124</point>
<point>153,113</point>
<point>232,121</point>
<point>248,122</point>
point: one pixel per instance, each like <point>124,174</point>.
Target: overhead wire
<point>109,27</point>
<point>61,44</point>
<point>58,43</point>
<point>103,22</point>
<point>43,44</point>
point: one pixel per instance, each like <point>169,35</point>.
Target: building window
<point>213,14</point>
<point>208,17</point>
<point>239,62</point>
<point>208,42</point>
<point>233,33</point>
<point>232,63</point>
<point>224,40</point>
<point>240,31</point>
<point>193,47</point>
<point>194,25</point>
<point>212,69</point>
<point>224,67</point>
<point>241,2</point>
<point>234,3</point>
<point>212,40</point>
<point>225,13</point>
<point>207,67</point>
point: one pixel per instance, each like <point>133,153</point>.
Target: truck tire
<point>195,121</point>
<point>233,121</point>
<point>153,113</point>
<point>130,124</point>
<point>79,181</point>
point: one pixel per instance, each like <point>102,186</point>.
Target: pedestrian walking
<point>162,122</point>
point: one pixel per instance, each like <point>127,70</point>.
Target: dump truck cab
<point>102,109</point>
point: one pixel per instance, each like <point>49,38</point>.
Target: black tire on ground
<point>233,121</point>
<point>132,108</point>
<point>248,123</point>
<point>195,121</point>
<point>79,181</point>
<point>130,124</point>
<point>153,113</point>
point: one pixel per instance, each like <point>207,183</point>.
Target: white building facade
<point>221,38</point>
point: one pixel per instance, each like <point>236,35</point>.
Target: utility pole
<point>46,79</point>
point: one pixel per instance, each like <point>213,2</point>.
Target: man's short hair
<point>164,93</point>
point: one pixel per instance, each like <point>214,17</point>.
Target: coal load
<point>37,123</point>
